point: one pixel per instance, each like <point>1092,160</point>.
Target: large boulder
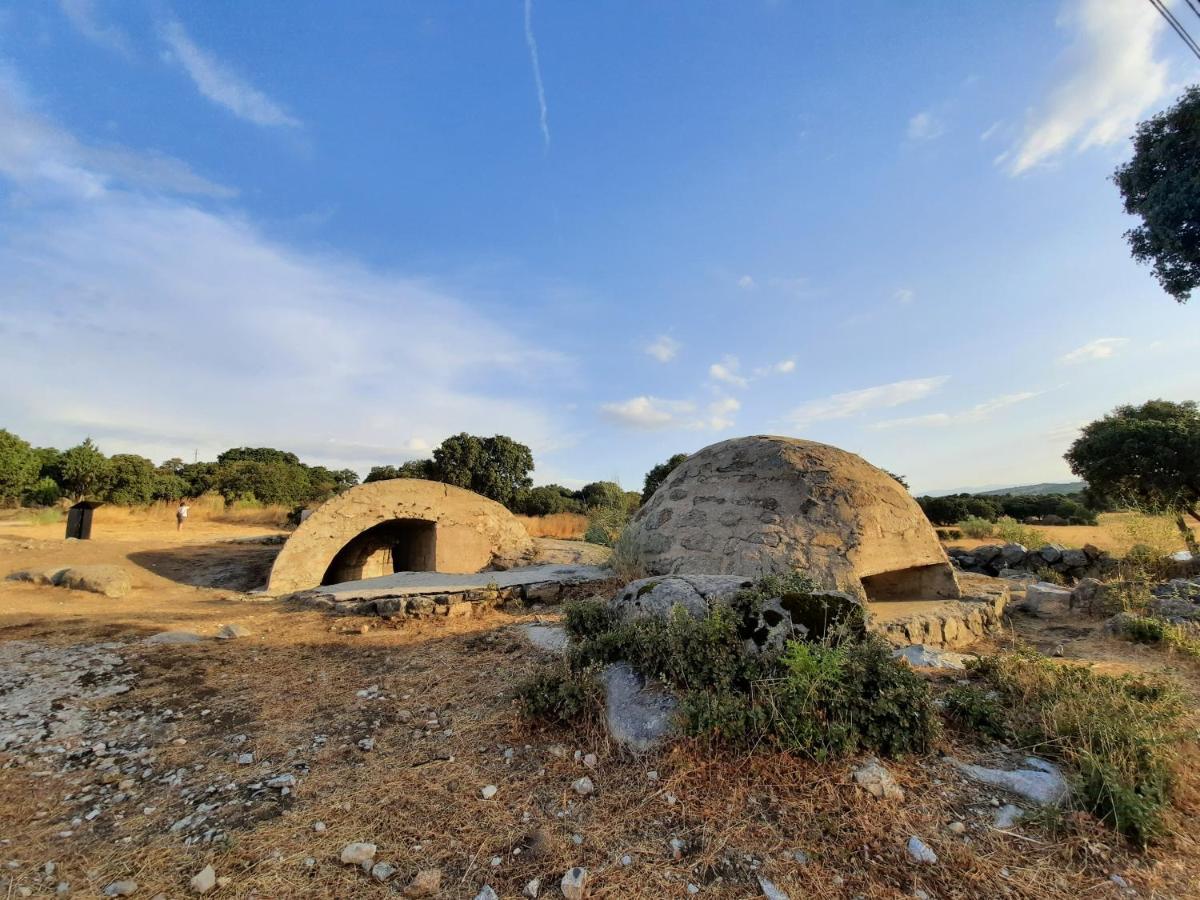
<point>763,505</point>
<point>111,581</point>
<point>1045,599</point>
<point>639,716</point>
<point>48,576</point>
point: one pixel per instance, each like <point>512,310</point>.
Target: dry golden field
<point>436,697</point>
<point>564,526</point>
<point>1116,533</point>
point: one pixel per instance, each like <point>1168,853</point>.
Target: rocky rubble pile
<point>1015,560</point>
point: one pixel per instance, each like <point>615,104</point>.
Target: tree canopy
<point>1160,185</point>
<point>19,467</point>
<point>496,467</point>
<point>1148,454</point>
<point>658,475</point>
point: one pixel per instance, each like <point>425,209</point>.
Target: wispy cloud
<point>663,348</point>
<point>925,126</point>
<point>39,156</point>
<point>1101,348</point>
<point>976,413</point>
<point>727,371</point>
<point>220,84</point>
<point>654,413</point>
<point>1113,78</point>
<point>747,283</point>
<point>82,15</point>
<point>531,42</point>
<point>783,367</point>
<point>904,295</point>
<point>852,403</point>
<point>204,307</point>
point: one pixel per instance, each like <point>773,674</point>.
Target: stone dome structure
<point>399,525</point>
<point>759,505</point>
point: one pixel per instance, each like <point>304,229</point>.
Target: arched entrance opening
<point>399,545</point>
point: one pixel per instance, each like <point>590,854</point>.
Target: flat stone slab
<point>551,638</point>
<point>406,584</point>
<point>1041,782</point>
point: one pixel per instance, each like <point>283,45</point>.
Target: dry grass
<point>416,794</point>
<point>1116,533</point>
<point>565,526</point>
<point>209,508</point>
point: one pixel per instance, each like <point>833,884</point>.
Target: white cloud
<point>1101,348</point>
<point>653,413</point>
<point>1113,79</point>
<point>82,15</point>
<point>747,283</point>
<point>663,348</point>
<point>189,328</point>
<point>727,371</point>
<point>904,295</point>
<point>850,403</point>
<point>925,126</point>
<point>220,84</point>
<point>783,367</point>
<point>977,413</point>
<point>648,412</point>
<point>38,156</point>
<point>531,43</point>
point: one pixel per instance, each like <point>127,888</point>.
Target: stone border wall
<point>1009,560</point>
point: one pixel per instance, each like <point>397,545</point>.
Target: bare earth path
<point>125,763</point>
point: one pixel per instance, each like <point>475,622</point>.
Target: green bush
<point>976,527</point>
<point>1153,630</point>
<point>977,710</point>
<point>815,699</point>
<point>1117,735</point>
<point>559,695</point>
<point>1011,531</point>
<point>44,493</point>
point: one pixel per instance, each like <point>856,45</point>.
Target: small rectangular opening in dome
<point>935,582</point>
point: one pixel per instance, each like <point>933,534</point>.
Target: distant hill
<point>1046,487</point>
<point>1026,490</point>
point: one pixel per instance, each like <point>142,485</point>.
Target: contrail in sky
<point>537,71</point>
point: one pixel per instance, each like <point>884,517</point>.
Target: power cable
<point>1177,26</point>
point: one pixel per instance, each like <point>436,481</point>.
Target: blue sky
<point>613,231</point>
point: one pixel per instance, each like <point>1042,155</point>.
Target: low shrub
<point>1011,531</point>
<point>559,695</point>
<point>1117,735</point>
<point>816,699</point>
<point>975,527</point>
<point>1153,630</point>
<point>977,710</point>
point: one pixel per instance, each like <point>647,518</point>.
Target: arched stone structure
<point>759,505</point>
<point>403,524</point>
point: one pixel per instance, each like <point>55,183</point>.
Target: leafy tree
<point>276,482</point>
<point>201,477</point>
<point>658,475</point>
<point>174,465</point>
<point>131,479</point>
<point>19,467</point>
<point>169,486</point>
<point>1148,454</point>
<point>546,500</point>
<point>900,478</point>
<point>415,468</point>
<point>259,455</point>
<point>83,470</point>
<point>1161,186</point>
<point>44,493</point>
<point>497,467</point>
<point>602,495</point>
<point>49,462</point>
<point>327,482</point>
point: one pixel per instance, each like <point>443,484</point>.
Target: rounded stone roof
<point>467,532</point>
<point>765,504</point>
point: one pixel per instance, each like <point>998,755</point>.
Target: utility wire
<point>1177,26</point>
<point>1193,7</point>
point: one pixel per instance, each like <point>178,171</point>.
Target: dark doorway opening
<point>401,545</point>
<point>934,582</point>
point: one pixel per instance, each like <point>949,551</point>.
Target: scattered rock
<point>583,786</point>
<point>366,744</point>
<point>233,631</point>
<point>111,581</point>
<point>921,657</point>
<point>769,890</point>
<point>532,889</point>
<point>1007,816</point>
<point>590,760</point>
<point>38,576</point>
<point>426,883</point>
<point>639,716</point>
<point>486,893</point>
<point>877,781</point>
<point>382,871</point>
<point>1045,599</point>
<point>489,791</point>
<point>318,827</point>
<point>1042,782</point>
<point>245,759</point>
<point>549,638</point>
<point>919,851</point>
<point>957,828</point>
<point>124,888</point>
<point>574,883</point>
<point>174,637</point>
<point>357,853</point>
<point>204,880</point>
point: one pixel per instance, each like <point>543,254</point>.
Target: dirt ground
<point>124,762</point>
